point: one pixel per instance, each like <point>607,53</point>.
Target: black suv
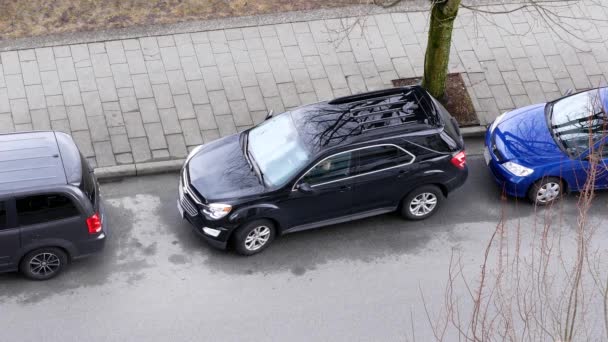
<point>50,208</point>
<point>321,164</point>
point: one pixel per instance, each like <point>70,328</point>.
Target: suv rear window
<point>44,208</point>
<point>381,157</point>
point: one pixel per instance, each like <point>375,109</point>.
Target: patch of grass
<point>25,18</point>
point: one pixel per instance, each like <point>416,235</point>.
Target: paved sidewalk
<point>154,98</point>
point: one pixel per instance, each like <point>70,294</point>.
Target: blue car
<point>542,151</point>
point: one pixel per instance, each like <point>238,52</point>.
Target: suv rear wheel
<point>44,263</point>
<point>422,202</point>
<point>253,237</point>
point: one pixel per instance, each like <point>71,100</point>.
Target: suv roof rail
<point>373,95</point>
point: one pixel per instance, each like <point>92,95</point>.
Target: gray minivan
<point>50,207</point>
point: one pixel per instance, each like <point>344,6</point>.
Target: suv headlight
<point>217,210</point>
<point>517,169</point>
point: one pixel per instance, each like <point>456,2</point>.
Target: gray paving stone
<point>40,119</point>
<point>322,89</point>
<point>238,51</point>
<point>259,60</point>
<point>361,50</point>
<point>267,31</point>
<point>170,58</point>
<point>225,125</point>
<point>191,132</point>
<point>470,61</point>
<point>569,54</point>
<point>198,92</point>
<point>128,104</point>
<point>558,69</point>
<point>514,46</point>
<point>101,65</point>
<point>5,106</point>
<point>225,64</point>
<point>521,100</point>
<point>268,85</point>
<point>492,73</point>
<point>20,111</point>
<point>294,58</point>
<point>78,119</point>
<point>125,92</point>
<point>162,94</point>
<point>307,44</point>
<point>289,94</point>
<point>54,100</point>
<point>140,150</point>
<point>286,34</point>
<point>62,51</point>
<point>254,98</point>
<point>191,69</point>
<point>86,79</point>
<point>177,146</point>
<point>35,96</point>
<point>124,158</point>
<point>218,40</point>
<point>27,55</point>
<point>80,55</point>
<point>480,86</point>
<point>200,37</point>
<point>589,64</point>
<point>280,70</point>
<point>148,110</point>
<point>356,84</point>
<point>535,92</point>
<point>580,79</point>
<point>122,78</point>
<point>57,112</point>
<point>98,128</point>
<point>71,93</point>
<point>240,112</point>
<point>524,69</point>
<point>336,77</point>
<point>547,82</point>
<point>96,48</point>
<point>348,63</point>
<point>24,127</point>
<point>6,124</point>
<point>502,97</point>
<point>387,77</point>
<point>15,87</point>
<point>10,62</point>
<point>134,124</point>
<point>142,86</point>
<point>328,54</point>
<point>394,47</point>
<point>315,67</point>
<point>92,103</point>
<point>50,82</point>
<point>107,89</point>
<point>385,24</point>
<point>302,80</point>
<point>403,67</point>
<point>66,70</point>
<point>491,110</point>
<point>482,49</point>
<point>156,72</point>
<point>513,83</point>
<point>168,118</point>
<point>164,41</point>
<point>83,141</point>
<point>150,48</point>
<point>46,59</point>
<point>308,98</point>
<point>212,79</point>
<point>246,74</point>
<point>503,60</point>
<point>274,103</point>
<point>254,43</point>
<point>60,126</point>
<point>135,60</point>
<point>31,74</point>
<point>219,102</point>
<point>204,54</point>
<point>233,89</point>
<point>2,81</point>
<point>184,107</point>
<point>114,119</point>
<point>204,116</point>
<point>116,52</point>
<point>536,57</point>
<point>156,136</point>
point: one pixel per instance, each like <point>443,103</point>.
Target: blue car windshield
<point>578,121</point>
<point>278,150</point>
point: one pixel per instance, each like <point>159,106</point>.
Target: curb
<point>473,131</point>
<point>138,169</point>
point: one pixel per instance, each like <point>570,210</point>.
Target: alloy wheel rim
<point>257,238</point>
<point>423,204</point>
<point>44,264</point>
<point>548,192</point>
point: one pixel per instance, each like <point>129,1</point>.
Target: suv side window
<point>330,169</point>
<point>381,157</point>
<point>44,208</point>
<point>3,216</point>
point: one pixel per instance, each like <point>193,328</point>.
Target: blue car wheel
<point>546,191</point>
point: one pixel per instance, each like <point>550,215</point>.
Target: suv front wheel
<point>422,202</point>
<point>253,237</point>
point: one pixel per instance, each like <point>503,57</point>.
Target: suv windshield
<point>578,120</point>
<point>277,149</point>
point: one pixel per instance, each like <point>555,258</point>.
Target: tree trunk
<point>438,47</point>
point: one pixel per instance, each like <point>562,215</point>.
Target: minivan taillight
<point>94,224</point>
<point>459,160</point>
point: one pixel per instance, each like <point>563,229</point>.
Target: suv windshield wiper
<point>249,157</point>
<point>556,136</point>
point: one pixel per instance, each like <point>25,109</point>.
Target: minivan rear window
<point>87,184</point>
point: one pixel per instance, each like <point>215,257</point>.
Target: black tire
<point>411,211</point>
<point>553,188</point>
<point>248,248</point>
<point>50,262</point>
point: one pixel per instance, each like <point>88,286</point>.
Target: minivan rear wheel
<point>422,202</point>
<point>253,237</point>
<point>44,263</point>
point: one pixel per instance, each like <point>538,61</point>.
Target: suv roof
<point>356,118</point>
<point>37,159</point>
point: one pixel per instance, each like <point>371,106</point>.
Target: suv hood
<point>523,135</point>
<point>220,171</point>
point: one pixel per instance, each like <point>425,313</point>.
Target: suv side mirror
<point>305,188</point>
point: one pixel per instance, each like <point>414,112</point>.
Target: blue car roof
<point>31,159</point>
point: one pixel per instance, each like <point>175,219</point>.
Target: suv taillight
<point>459,160</point>
<point>94,224</point>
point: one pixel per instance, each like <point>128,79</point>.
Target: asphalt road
<point>363,281</point>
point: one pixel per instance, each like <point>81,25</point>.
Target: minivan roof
<point>37,159</point>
